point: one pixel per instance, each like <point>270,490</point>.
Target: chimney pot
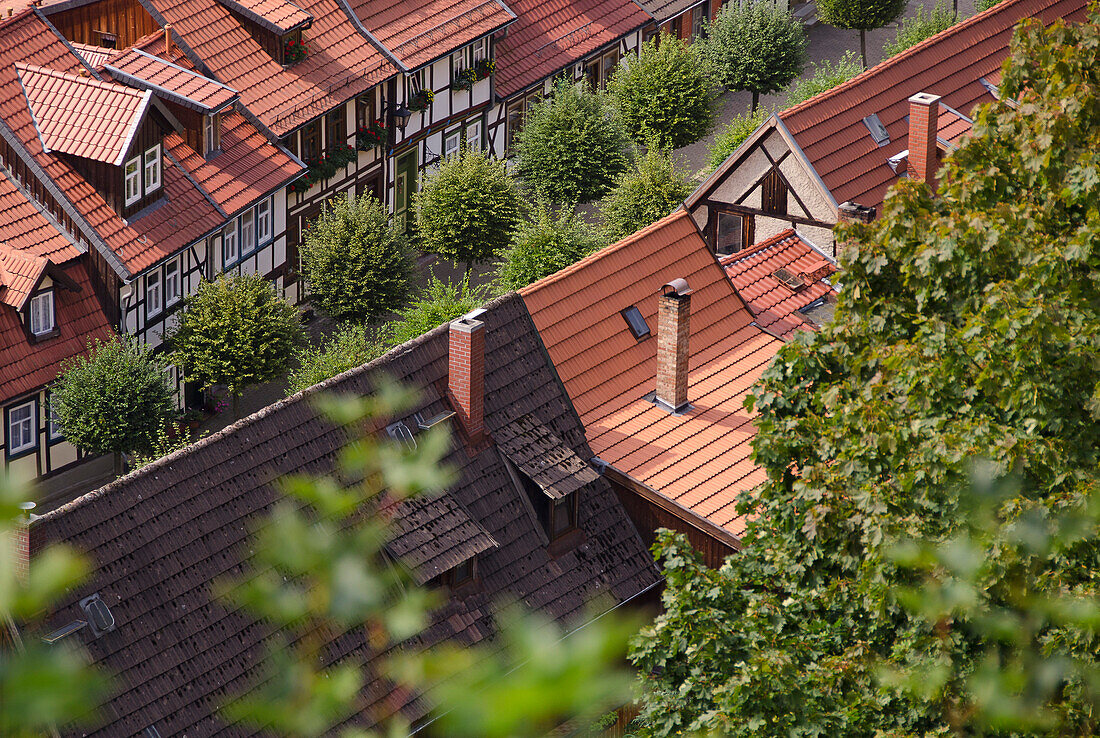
<point>924,109</point>
<point>673,329</point>
<point>466,374</point>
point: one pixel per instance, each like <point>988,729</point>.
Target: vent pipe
<point>924,111</point>
<point>466,374</point>
<point>673,329</point>
<point>168,41</point>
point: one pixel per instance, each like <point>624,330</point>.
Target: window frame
<point>134,177</point>
<point>479,142</point>
<point>336,126</point>
<point>364,109</point>
<point>173,267</point>
<point>626,312</point>
<point>311,134</point>
<point>569,501</point>
<point>247,242</point>
<point>54,432</point>
<point>154,278</point>
<point>482,45</point>
<point>14,452</point>
<point>212,133</point>
<point>268,219</point>
<point>38,297</point>
<point>456,135</point>
<point>229,235</point>
<point>156,164</point>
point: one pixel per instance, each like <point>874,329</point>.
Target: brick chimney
<point>21,542</point>
<point>466,375</point>
<point>673,329</point>
<point>853,212</point>
<point>924,111</point>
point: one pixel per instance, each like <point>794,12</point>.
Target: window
<point>212,133</point>
<point>248,233</point>
<point>674,28</point>
<point>730,233</point>
<point>152,169</point>
<point>462,573</point>
<point>563,516</point>
<point>416,82</point>
<point>22,433</point>
<point>364,109</point>
<point>132,180</point>
<point>774,196</point>
<point>481,50</point>
<point>473,135</point>
<point>170,378</point>
<point>557,516</point>
<point>458,61</point>
<point>172,282</point>
<point>635,322</point>
<point>311,142</point>
<point>153,296</point>
<point>877,129</point>
<point>263,222</point>
<point>451,142</point>
<point>53,424</point>
<point>698,15</point>
<point>230,253</point>
<point>338,126</point>
<point>610,60</point>
<point>41,313</point>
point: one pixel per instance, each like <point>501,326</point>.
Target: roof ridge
<point>69,76</point>
<point>903,56</point>
<point>675,216</point>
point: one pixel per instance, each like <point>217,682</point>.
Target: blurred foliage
<point>350,346</point>
<point>645,193</point>
<point>41,686</point>
<point>441,302</point>
<point>734,134</point>
<point>319,573</point>
<point>826,75</point>
<point>920,26</point>
<point>968,327</point>
<point>545,243</point>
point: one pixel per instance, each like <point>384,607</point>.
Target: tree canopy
<point>643,194</point>
<point>352,345</point>
<point>356,261</point>
<point>467,210</point>
<point>968,328</point>
<point>860,15</point>
<point>439,303</point>
<point>664,94</point>
<point>572,145</point>
<point>758,47</point>
<point>921,26</point>
<point>546,243</point>
<point>826,75</point>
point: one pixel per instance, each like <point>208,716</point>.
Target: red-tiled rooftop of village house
<point>24,227</point>
<point>82,116</point>
<point>96,56</point>
<point>549,34</point>
<point>777,305</point>
<point>701,460</point>
<point>185,86</point>
<point>20,273</point>
<point>280,16</point>
<point>829,127</point>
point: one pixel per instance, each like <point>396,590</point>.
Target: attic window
<point>458,575</point>
<point>878,131</point>
<point>791,280</point>
<point>151,732</point>
<point>400,432</point>
<point>635,322</point>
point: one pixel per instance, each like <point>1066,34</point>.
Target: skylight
<point>878,131</point>
<point>635,322</point>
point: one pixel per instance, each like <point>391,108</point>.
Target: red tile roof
<point>83,116</point>
<point>184,86</point>
<point>550,34</point>
<point>341,63</point>
<point>419,31</point>
<point>776,305</point>
<point>25,367</point>
<point>19,274</point>
<point>25,228</point>
<point>701,459</point>
<point>829,127</point>
<point>279,16</point>
<point>97,56</point>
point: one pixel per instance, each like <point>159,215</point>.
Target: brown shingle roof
<point>829,127</point>
<point>160,536</point>
<point>701,459</point>
<point>777,305</point>
<point>184,86</point>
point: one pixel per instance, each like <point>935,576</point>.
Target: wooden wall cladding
<point>86,24</point>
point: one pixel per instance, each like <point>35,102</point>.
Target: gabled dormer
<point>28,285</point>
<point>276,25</point>
<point>111,134</point>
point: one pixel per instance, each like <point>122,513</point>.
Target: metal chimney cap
<point>678,286</point>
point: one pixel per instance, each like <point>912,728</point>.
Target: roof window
<point>400,432</point>
<point>878,131</point>
<point>634,320</point>
<point>791,280</point>
<point>99,616</point>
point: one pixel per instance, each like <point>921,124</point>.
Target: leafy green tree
<point>545,244</point>
<point>350,346</point>
<point>572,145</point>
<point>758,47</point>
<point>643,195</point>
<point>734,134</point>
<point>826,76</point>
<point>982,5</point>
<point>920,26</point>
<point>664,95</point>
<point>356,261</point>
<point>954,339</point>
<point>860,15</point>
<point>42,686</point>
<point>468,209</point>
<point>114,400</point>
<point>441,302</point>
<point>236,331</point>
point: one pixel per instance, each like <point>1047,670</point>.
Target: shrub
<point>643,195</point>
<point>350,346</point>
<point>914,30</point>
<point>734,134</point>
<point>664,95</point>
<point>545,244</point>
<point>572,146</point>
<point>440,303</point>
<point>826,76</point>
<point>356,261</point>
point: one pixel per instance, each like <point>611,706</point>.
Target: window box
<point>370,136</point>
<point>295,51</point>
<point>420,101</point>
<point>465,79</point>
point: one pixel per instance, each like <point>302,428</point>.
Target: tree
<point>352,345</point>
<point>545,244</point>
<point>115,400</point>
<point>236,331</point>
<point>734,134</point>
<point>860,15</point>
<point>954,340</point>
<point>643,195</point>
<point>919,27</point>
<point>440,303</point>
<point>356,261</point>
<point>826,76</point>
<point>572,145</point>
<point>757,47</point>
<point>982,5</point>
<point>467,210</point>
<point>664,95</point>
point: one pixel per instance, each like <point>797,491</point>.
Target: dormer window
<point>152,169</point>
<point>459,575</point>
<point>557,515</point>
<point>131,174</point>
<point>212,134</point>
<point>42,319</point>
